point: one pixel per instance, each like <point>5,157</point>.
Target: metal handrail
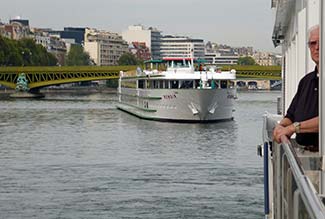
<point>309,196</point>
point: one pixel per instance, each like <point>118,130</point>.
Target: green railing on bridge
<point>256,72</point>
<point>45,76</point>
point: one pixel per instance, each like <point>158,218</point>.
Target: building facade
<point>181,47</point>
<point>266,58</point>
<point>77,34</point>
<point>151,37</point>
<point>53,45</point>
<point>140,50</point>
<point>105,48</point>
<point>16,29</point>
<point>218,59</point>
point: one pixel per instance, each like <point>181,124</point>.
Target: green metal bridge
<point>38,77</point>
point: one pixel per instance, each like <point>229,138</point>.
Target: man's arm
<point>310,125</point>
<point>287,128</point>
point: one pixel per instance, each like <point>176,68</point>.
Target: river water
<point>78,157</point>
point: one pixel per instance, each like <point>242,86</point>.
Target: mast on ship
<point>192,56</point>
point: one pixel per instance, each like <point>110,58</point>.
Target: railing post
<point>266,179</point>
<point>322,96</point>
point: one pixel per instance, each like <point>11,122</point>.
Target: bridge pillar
<point>23,90</point>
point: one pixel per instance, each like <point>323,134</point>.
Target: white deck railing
<point>293,176</point>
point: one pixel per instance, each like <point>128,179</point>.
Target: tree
<point>128,59</point>
<point>77,56</point>
<point>24,52</point>
<point>246,60</point>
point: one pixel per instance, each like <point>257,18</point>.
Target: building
<point>218,59</point>
<point>181,46</point>
<point>16,29</point>
<point>53,44</point>
<point>77,34</point>
<point>104,47</point>
<point>151,37</point>
<point>140,50</point>
<point>266,58</point>
<point>226,50</point>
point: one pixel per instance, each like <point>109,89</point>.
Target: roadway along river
<point>78,157</point>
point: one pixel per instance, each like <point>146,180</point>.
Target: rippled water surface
<point>78,157</point>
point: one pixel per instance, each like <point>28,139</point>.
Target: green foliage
<point>24,52</point>
<point>128,59</point>
<point>113,83</point>
<point>246,60</point>
<point>77,56</point>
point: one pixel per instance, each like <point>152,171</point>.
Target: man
<point>302,115</point>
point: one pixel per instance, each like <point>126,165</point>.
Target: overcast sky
<point>232,22</point>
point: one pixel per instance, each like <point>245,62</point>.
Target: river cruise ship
<point>179,93</point>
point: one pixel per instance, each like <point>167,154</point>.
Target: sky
<point>232,22</point>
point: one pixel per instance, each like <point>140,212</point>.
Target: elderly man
<point>302,115</point>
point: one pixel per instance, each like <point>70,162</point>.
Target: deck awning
<point>283,10</point>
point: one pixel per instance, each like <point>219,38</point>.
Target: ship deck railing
<point>292,177</point>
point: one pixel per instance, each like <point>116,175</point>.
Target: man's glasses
<point>313,43</point>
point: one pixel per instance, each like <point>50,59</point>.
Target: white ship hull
<point>182,105</point>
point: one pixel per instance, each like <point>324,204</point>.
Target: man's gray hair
<point>313,28</point>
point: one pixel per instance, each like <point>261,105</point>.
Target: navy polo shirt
<point>304,106</point>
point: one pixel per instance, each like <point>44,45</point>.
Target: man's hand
<point>280,130</point>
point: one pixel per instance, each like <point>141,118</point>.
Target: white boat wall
<point>187,105</point>
<point>294,180</point>
<point>179,94</point>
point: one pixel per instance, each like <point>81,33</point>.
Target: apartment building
<point>16,29</point>
<point>53,44</point>
<point>266,58</point>
<point>181,46</point>
<point>140,50</point>
<point>219,59</point>
<point>151,37</point>
<point>104,47</point>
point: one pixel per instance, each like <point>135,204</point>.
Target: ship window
<point>128,84</point>
<point>141,84</point>
<point>197,83</point>
<point>186,84</point>
<point>161,84</point>
<point>217,83</point>
<point>174,84</point>
<point>155,84</point>
<point>166,84</point>
<point>223,84</point>
<point>151,84</point>
<point>231,84</point>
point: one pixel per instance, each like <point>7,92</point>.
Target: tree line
<point>24,52</point>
